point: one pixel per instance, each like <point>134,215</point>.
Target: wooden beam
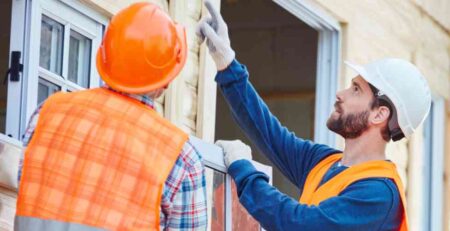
<point>207,90</point>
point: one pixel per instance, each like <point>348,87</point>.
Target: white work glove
<point>214,29</point>
<point>234,150</point>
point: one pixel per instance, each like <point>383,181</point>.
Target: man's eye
<point>355,88</point>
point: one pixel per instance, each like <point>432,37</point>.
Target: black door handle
<point>15,68</point>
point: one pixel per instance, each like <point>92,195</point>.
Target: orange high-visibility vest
<point>313,194</point>
<point>97,160</point>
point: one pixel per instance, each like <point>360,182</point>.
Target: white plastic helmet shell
<point>404,85</point>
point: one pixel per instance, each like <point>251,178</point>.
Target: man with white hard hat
<point>353,189</point>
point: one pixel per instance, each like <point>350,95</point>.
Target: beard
<point>349,126</point>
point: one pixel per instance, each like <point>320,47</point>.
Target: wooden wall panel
<point>181,101</point>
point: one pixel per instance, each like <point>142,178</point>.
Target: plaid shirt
<point>183,204</point>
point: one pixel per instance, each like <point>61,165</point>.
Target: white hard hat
<point>405,87</point>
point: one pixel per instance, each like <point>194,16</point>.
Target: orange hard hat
<point>143,49</point>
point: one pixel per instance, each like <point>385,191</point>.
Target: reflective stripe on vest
<point>97,159</point>
<point>313,194</point>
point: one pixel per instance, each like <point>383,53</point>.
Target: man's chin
<point>334,123</point>
<point>330,123</point>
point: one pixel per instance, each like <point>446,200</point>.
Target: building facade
<point>294,51</point>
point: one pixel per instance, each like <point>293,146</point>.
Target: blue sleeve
<point>294,156</point>
<point>371,204</point>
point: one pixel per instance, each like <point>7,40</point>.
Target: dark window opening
<point>280,52</point>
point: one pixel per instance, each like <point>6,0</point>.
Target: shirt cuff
<point>235,71</point>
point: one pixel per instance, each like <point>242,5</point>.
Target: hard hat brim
<point>373,80</point>
<point>360,70</point>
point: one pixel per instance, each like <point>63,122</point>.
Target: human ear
<point>381,115</point>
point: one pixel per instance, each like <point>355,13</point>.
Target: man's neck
<point>366,147</point>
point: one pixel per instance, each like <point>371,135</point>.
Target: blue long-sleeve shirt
<point>369,204</point>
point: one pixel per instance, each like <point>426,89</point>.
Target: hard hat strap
<point>395,131</point>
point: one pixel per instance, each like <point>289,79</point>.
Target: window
<point>62,38</point>
<point>224,210</point>
<point>215,191</point>
<point>433,157</point>
<point>56,40</point>
<point>79,59</point>
<point>46,89</point>
<point>57,70</point>
<point>51,46</point>
<point>300,92</point>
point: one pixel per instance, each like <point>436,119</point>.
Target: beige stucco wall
<point>437,10</point>
<point>375,29</point>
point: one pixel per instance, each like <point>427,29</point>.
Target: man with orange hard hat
<point>103,159</point>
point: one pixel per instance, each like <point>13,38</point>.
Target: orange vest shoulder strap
<point>315,176</point>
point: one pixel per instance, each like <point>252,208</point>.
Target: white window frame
<point>19,34</point>
<point>213,158</point>
<point>433,197</point>
<point>328,59</point>
<point>327,80</point>
<point>207,90</point>
<point>25,37</point>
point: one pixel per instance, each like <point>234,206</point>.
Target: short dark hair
<point>378,102</point>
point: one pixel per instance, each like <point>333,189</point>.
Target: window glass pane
<point>51,49</point>
<point>79,59</point>
<point>45,89</point>
<point>215,190</point>
<point>241,219</point>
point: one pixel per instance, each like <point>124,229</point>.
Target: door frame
<point>20,12</point>
<point>433,197</point>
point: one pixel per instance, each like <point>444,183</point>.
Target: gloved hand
<point>234,150</point>
<point>215,31</point>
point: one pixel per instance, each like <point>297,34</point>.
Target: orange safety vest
<point>97,160</point>
<point>313,194</point>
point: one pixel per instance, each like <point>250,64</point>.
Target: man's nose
<point>339,96</point>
